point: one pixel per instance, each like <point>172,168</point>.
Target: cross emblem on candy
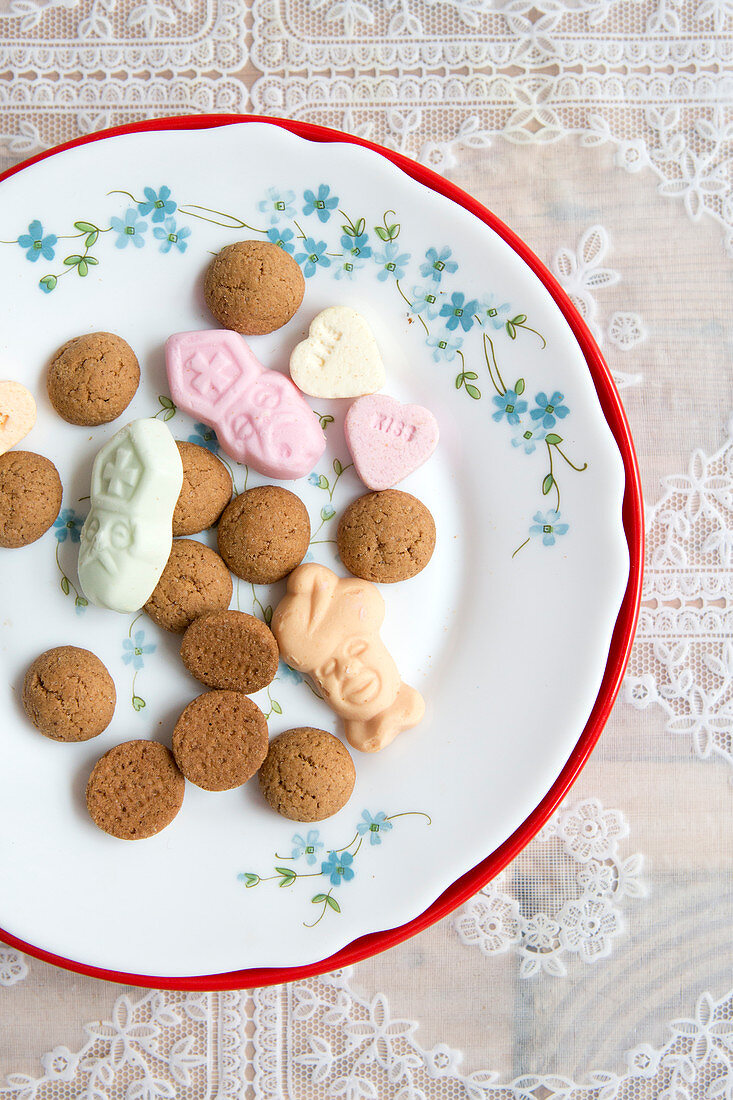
<point>122,474</point>
<point>213,375</point>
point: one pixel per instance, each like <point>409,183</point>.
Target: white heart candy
<point>340,358</point>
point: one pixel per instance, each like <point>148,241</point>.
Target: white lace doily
<point>321,1038</point>
<point>578,853</point>
<point>683,656</point>
<point>428,78</point>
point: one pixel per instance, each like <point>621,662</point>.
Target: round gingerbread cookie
<point>253,287</point>
<point>220,740</point>
<point>68,694</point>
<point>264,533</point>
<point>308,774</point>
<point>135,790</point>
<point>194,582</point>
<point>230,650</point>
<point>30,497</point>
<point>93,378</point>
<point>206,491</point>
<point>386,537</point>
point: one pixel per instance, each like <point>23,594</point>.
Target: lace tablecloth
<point>599,964</point>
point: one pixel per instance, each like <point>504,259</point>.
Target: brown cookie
<point>68,694</point>
<point>387,536</point>
<point>230,651</point>
<point>308,774</point>
<point>194,582</point>
<point>253,287</point>
<point>135,790</point>
<point>30,497</point>
<point>206,491</point>
<point>220,740</point>
<point>93,378</point>
<point>264,533</point>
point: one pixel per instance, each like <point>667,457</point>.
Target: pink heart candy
<point>388,440</point>
<point>259,415</point>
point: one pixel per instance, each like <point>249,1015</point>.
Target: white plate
<point>508,648</point>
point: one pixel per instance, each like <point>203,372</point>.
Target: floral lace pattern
<point>578,851</point>
<point>683,655</point>
<point>138,52</point>
<point>581,273</point>
<point>611,70</point>
<point>13,967</point>
<point>319,1037</point>
<point>410,89</point>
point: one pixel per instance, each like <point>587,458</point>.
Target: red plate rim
<point>633,521</point>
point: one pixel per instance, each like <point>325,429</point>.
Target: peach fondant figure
<point>328,628</point>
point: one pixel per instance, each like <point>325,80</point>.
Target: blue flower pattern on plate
<point>171,236</point>
<point>278,204</point>
<point>285,672</point>
<point>36,244</point>
<point>205,437</point>
<point>459,312</point>
<point>323,204</point>
<point>547,527</point>
<point>444,347</point>
<point>158,203</point>
<point>374,824</point>
<point>493,311</point>
<point>437,264</point>
<point>356,253</point>
<point>309,846</point>
<point>511,406</point>
<point>338,867</point>
<point>130,228</point>
<point>283,238</point>
<point>549,409</point>
<point>528,438</point>
<point>135,649</point>
<point>424,301</point>
<point>68,526</point>
<point>314,256</point>
<point>392,262</point>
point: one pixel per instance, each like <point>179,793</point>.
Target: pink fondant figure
<point>260,417</point>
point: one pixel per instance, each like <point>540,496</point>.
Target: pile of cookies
<point>149,494</point>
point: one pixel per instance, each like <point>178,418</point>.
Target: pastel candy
<point>259,416</point>
<point>127,536</point>
<point>340,357</point>
<point>17,414</point>
<point>388,440</point>
<point>328,627</point>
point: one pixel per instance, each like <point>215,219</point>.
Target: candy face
<point>17,414</point>
<point>340,358</point>
<point>328,627</point>
<point>259,416</point>
<point>388,440</point>
<point>127,536</point>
